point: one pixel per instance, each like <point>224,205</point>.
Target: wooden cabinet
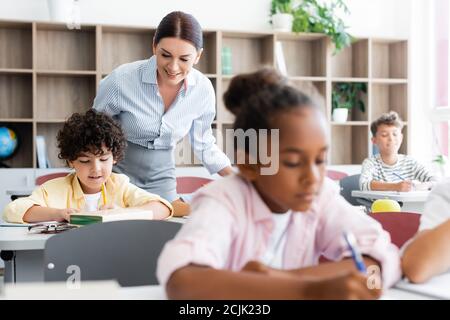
<point>47,72</point>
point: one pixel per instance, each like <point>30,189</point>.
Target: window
<point>441,113</point>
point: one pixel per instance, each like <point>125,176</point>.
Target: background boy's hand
<point>350,286</point>
<point>64,214</point>
<point>404,186</point>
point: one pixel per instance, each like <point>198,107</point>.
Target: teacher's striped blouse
<point>130,94</point>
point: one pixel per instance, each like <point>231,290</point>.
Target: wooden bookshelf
<point>47,72</point>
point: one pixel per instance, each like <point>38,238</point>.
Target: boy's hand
<point>64,214</point>
<point>404,186</point>
<point>109,206</point>
<point>350,286</point>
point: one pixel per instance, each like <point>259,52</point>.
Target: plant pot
<point>59,10</point>
<point>282,22</point>
<point>340,115</point>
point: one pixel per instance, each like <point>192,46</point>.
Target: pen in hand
<point>398,176</point>
<point>356,254</point>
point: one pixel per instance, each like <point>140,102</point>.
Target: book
<point>41,151</point>
<point>85,218</point>
<point>279,56</point>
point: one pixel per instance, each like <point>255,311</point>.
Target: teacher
<point>158,102</point>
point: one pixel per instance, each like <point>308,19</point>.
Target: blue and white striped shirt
<point>374,169</point>
<point>131,95</point>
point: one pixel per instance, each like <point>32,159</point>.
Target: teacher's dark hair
<point>180,25</point>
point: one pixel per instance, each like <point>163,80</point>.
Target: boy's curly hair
<point>88,133</point>
<point>390,119</point>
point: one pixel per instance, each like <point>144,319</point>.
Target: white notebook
<point>438,287</point>
<point>83,218</point>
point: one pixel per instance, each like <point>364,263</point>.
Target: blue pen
<point>398,176</point>
<point>356,254</point>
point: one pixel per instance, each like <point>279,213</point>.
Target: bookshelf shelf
<point>389,59</point>
<point>23,158</point>
<point>49,131</point>
<point>47,72</point>
<point>57,97</point>
<point>122,45</point>
<point>349,144</point>
<point>60,49</point>
<point>386,97</point>
<point>253,51</point>
<point>15,45</point>
<point>305,57</point>
<point>16,96</point>
<point>352,62</point>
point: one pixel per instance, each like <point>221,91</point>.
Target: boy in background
<point>389,170</point>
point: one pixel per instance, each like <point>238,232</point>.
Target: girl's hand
<point>350,286</point>
<point>256,266</point>
<point>64,214</point>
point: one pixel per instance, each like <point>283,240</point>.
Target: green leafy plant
<point>282,6</point>
<point>440,160</point>
<point>318,17</point>
<point>348,95</point>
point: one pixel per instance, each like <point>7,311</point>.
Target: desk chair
<point>126,251</point>
<point>336,175</point>
<point>186,185</point>
<point>42,179</point>
<point>348,184</point>
<point>402,226</point>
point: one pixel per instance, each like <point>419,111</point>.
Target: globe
<point>8,142</point>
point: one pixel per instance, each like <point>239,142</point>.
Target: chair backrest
<point>402,226</point>
<point>126,251</point>
<point>42,179</point>
<point>336,175</point>
<point>348,184</point>
<point>190,184</point>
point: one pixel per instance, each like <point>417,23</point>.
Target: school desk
<point>17,193</point>
<point>110,289</point>
<point>23,253</point>
<point>437,287</point>
<point>413,201</point>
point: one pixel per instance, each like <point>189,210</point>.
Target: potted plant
<point>282,15</point>
<point>59,10</point>
<point>313,16</point>
<point>345,96</point>
<point>440,163</point>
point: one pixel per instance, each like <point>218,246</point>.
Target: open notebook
<point>438,287</point>
<point>84,218</point>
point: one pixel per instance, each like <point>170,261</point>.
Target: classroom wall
<point>369,18</point>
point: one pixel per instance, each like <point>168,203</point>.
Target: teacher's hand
<point>226,171</point>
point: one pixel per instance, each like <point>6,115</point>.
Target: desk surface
<point>438,287</point>
<point>19,192</point>
<point>103,290</point>
<point>18,238</point>
<point>413,196</point>
<point>111,290</point>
